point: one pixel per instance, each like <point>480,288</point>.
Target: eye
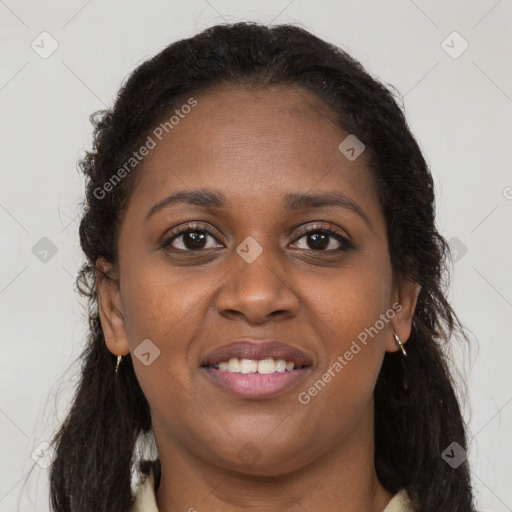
<point>194,237</point>
<point>188,238</point>
<point>324,239</point>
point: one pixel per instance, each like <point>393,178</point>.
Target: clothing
<point>145,498</point>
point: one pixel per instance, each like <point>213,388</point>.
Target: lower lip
<point>256,385</point>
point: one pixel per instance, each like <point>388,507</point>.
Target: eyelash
<point>345,242</point>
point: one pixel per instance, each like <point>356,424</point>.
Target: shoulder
<point>145,495</point>
<point>400,503</point>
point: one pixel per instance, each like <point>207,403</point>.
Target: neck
<point>341,479</point>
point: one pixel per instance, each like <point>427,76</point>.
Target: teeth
<point>248,366</point>
<point>233,365</point>
<point>280,365</point>
<point>265,366</point>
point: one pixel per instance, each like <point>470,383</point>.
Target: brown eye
<point>192,240</point>
<point>324,240</point>
<point>189,238</point>
<point>318,241</point>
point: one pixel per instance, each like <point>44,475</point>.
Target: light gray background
<point>458,108</point>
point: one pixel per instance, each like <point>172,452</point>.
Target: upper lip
<point>257,349</point>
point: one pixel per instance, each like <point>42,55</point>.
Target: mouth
<point>256,369</point>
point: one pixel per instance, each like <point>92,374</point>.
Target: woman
<point>265,281</point>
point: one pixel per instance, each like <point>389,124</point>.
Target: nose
<point>258,291</point>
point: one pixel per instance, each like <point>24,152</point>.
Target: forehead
<point>259,142</point>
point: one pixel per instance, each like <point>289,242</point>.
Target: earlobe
<point>406,295</point>
<point>110,309</point>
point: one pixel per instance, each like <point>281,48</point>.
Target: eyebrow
<point>203,197</point>
<point>293,201</point>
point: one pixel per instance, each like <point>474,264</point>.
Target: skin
<point>254,146</point>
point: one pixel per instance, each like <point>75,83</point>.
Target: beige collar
<point>145,499</point>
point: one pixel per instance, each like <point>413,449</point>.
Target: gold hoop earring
<point>399,343</point>
<point>118,361</point>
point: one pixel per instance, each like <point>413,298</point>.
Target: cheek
<point>353,316</point>
<point>350,301</point>
<point>165,308</point>
<point>161,305</point>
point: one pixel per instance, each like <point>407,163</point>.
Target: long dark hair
<point>417,415</point>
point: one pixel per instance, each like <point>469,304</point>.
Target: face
<point>261,259</point>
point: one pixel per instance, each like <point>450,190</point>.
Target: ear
<point>405,298</point>
<point>110,308</point>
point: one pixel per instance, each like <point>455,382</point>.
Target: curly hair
<point>417,413</point>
